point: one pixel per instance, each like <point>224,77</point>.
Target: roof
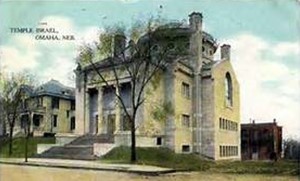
<point>56,89</point>
<point>178,29</point>
<point>250,125</point>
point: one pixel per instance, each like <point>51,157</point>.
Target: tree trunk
<point>133,158</point>
<point>26,147</point>
<point>11,129</point>
<point>133,147</point>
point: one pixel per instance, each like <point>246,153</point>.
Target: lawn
<point>281,167</point>
<point>159,157</point>
<point>190,162</point>
<point>19,146</point>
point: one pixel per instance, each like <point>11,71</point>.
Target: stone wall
<point>226,137</point>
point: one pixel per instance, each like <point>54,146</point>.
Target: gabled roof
<point>55,88</point>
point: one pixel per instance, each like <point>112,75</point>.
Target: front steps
<point>82,148</point>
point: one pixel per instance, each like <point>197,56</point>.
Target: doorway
<point>111,124</point>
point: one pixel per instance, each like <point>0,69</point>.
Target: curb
<point>121,169</point>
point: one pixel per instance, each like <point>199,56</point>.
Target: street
<point>31,173</point>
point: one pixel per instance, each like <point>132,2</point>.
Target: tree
<point>291,149</point>
<point>141,60</point>
<point>11,91</point>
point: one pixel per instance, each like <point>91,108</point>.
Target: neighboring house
<point>261,141</point>
<point>51,108</point>
<point>203,93</point>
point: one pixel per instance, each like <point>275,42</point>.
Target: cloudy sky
<point>264,36</point>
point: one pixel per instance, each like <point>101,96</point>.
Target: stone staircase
<point>80,149</point>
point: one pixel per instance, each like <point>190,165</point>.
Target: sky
<point>264,37</point>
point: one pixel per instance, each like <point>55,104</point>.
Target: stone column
<point>86,112</point>
<point>101,123</point>
<point>118,111</point>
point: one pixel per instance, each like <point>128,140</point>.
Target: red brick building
<point>261,141</point>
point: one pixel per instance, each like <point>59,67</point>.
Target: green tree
<point>141,59</point>
<point>12,99</point>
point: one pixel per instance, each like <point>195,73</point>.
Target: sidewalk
<point>88,165</point>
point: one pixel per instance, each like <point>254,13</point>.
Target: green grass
<point>19,146</point>
<point>162,157</point>
<point>281,167</point>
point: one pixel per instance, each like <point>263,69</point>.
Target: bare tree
<point>292,149</point>
<point>11,91</point>
<point>141,61</point>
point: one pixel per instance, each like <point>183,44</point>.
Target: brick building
<point>259,141</point>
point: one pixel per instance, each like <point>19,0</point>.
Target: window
<point>228,124</point>
<point>39,101</point>
<point>185,120</point>
<point>55,102</point>
<point>24,120</point>
<point>73,123</point>
<point>73,105</point>
<point>37,120</point>
<point>228,90</point>
<point>68,113</point>
<point>185,89</point>
<point>54,121</point>
<point>226,151</point>
<point>185,148</point>
<point>125,123</point>
<point>158,141</point>
<point>223,123</point>
<point>221,151</point>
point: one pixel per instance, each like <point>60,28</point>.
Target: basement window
<point>158,141</point>
<point>185,148</point>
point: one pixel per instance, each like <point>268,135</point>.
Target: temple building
<point>202,91</point>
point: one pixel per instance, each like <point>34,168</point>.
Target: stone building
<point>203,93</point>
<point>261,141</point>
<point>51,107</point>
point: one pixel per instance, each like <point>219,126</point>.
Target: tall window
<point>125,123</point>
<point>73,123</point>
<point>185,120</point>
<point>72,105</point>
<point>185,89</point>
<point>55,102</point>
<point>228,90</point>
<point>54,121</point>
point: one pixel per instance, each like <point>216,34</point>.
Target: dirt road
<point>29,173</point>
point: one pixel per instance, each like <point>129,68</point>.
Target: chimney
<point>274,121</point>
<point>225,52</point>
<point>119,44</point>
<point>195,20</point>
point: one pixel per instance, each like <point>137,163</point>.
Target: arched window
<point>228,90</point>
